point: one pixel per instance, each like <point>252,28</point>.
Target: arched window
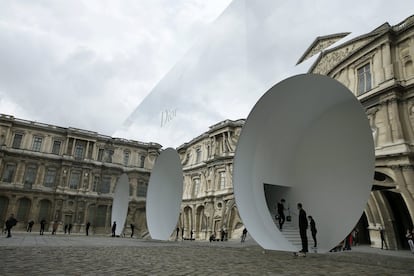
<point>23,209</point>
<point>101,216</point>
<point>44,209</point>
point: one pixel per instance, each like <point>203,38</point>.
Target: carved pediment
<point>327,60</point>
<point>320,44</point>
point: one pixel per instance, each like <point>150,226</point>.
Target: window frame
<point>30,171</point>
<point>10,178</point>
<point>364,78</point>
<point>46,181</point>
<point>72,179</point>
<point>37,143</point>
<point>58,148</point>
<point>14,142</point>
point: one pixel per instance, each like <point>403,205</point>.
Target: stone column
<point>387,63</point>
<point>378,67</point>
<point>395,122</point>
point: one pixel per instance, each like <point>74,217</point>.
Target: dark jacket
<point>303,221</point>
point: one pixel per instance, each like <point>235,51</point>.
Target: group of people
<point>12,221</point>
<point>182,234</point>
<point>304,223</point>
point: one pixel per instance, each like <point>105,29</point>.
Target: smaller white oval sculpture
<point>120,203</point>
<point>310,139</point>
<point>164,195</point>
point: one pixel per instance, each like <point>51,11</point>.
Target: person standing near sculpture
<point>113,229</point>
<point>303,226</point>
<point>382,235</point>
<point>244,234</point>
<point>88,224</point>
<point>410,239</point>
<point>10,222</point>
<point>313,231</point>
<point>281,213</point>
<point>132,230</point>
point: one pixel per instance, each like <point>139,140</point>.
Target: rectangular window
<point>196,187</point>
<point>101,216</point>
<point>198,155</point>
<point>100,154</point>
<point>142,189</point>
<point>56,147</point>
<point>106,185</point>
<point>74,180</point>
<point>96,180</point>
<point>222,180</point>
<point>50,178</point>
<point>364,79</point>
<point>126,158</point>
<point>79,150</point>
<point>142,161</point>
<point>37,143</point>
<point>17,141</point>
<point>30,176</point>
<point>8,173</point>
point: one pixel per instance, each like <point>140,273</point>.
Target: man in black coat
<point>9,224</point>
<point>303,226</point>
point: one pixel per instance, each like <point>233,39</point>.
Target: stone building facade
<point>208,204</point>
<point>379,68</point>
<point>68,175</point>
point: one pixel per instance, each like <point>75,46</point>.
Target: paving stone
<point>30,254</point>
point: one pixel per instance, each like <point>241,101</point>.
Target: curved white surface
<point>310,136</point>
<point>120,203</point>
<point>165,190</point>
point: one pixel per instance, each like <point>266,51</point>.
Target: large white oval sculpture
<point>120,203</point>
<point>164,195</point>
<point>310,138</point>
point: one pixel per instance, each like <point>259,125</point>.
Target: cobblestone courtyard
<point>30,254</point>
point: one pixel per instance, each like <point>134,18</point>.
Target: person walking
<point>382,235</point>
<point>69,228</point>
<point>132,229</point>
<point>55,227</point>
<point>88,224</point>
<point>313,231</point>
<point>42,226</point>
<point>303,226</point>
<point>10,222</point>
<point>30,226</point>
<point>244,234</point>
<point>281,213</point>
<point>113,229</point>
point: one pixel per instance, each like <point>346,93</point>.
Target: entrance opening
<point>402,220</point>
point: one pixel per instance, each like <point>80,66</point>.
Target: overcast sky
<point>161,70</point>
